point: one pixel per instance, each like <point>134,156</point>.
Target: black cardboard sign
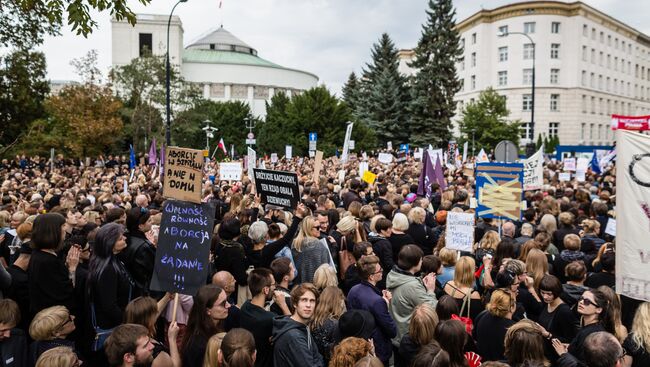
<point>182,256</point>
<point>277,187</point>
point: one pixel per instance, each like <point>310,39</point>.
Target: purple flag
<point>152,152</point>
<point>440,175</point>
<point>427,176</point>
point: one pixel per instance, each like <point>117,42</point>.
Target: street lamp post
<point>209,133</point>
<point>168,133</point>
<point>532,104</point>
<point>250,125</point>
<point>473,132</point>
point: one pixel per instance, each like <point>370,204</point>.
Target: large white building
<point>588,66</point>
<point>223,66</point>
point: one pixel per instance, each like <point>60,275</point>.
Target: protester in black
<point>140,253</point>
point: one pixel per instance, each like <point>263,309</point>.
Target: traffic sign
<point>313,137</point>
<point>250,141</point>
<point>251,136</point>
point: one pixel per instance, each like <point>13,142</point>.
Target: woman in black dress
<point>556,320</point>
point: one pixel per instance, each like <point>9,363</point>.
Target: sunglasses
<point>588,302</point>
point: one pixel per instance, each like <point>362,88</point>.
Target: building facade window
<point>502,78</point>
<point>553,128</point>
<point>527,102</point>
<point>583,79</point>
<point>584,104</point>
<point>473,38</point>
<point>529,51</point>
<point>555,50</point>
<point>585,30</point>
<point>555,27</point>
<point>145,44</point>
<point>503,53</point>
<point>529,27</point>
<point>582,131</point>
<point>525,130</point>
<point>503,29</point>
<point>555,102</point>
<point>473,59</point>
<point>584,53</point>
<point>528,76</point>
<point>555,76</point>
<point>593,105</point>
<point>461,63</point>
<point>473,82</point>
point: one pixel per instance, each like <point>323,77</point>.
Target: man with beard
<point>256,319</point>
<point>293,343</point>
<point>129,345</point>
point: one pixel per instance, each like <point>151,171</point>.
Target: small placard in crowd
<point>611,227</point>
<point>277,187</point>
<point>385,158</point>
<point>569,164</point>
<point>182,256</point>
<point>230,171</point>
<point>183,174</point>
<point>460,231</point>
<point>369,177</point>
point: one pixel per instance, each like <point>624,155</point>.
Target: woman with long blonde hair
<point>536,266</point>
<point>637,343</point>
<point>330,307</point>
<point>461,289</point>
<point>308,251</point>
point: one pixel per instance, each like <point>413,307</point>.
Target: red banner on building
<point>639,123</point>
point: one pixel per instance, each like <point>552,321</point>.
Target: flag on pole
<point>131,157</point>
<point>439,174</point>
<point>482,157</point>
<point>427,176</point>
<point>465,146</point>
<point>607,159</point>
<point>595,167</point>
<point>222,145</point>
<point>152,153</point>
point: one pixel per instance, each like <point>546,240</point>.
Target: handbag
<point>346,259</point>
<point>469,324</point>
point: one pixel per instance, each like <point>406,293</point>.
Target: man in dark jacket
<point>140,254</point>
<point>382,247</point>
<point>13,344</point>
<point>366,296</point>
<point>293,344</point>
<point>352,194</point>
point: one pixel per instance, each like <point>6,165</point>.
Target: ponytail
<point>238,348</point>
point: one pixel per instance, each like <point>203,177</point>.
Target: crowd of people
<point>358,274</point>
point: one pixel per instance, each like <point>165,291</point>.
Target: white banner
<point>534,171</point>
<point>252,163</point>
<point>288,149</point>
<point>633,215</point>
<point>385,158</point>
<point>569,164</point>
<point>230,171</point>
<point>346,143</point>
<point>460,231</point>
<point>363,167</point>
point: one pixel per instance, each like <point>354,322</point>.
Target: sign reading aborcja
<point>183,247</point>
<point>183,174</point>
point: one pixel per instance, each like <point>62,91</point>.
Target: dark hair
<point>142,311</point>
<point>606,317</point>
<point>431,355</point>
<point>409,256</point>
<point>280,267</point>
<point>46,232</point>
<point>332,218</point>
<point>360,249</point>
<point>123,340</point>
<point>238,347</point>
<point>382,190</point>
<point>452,336</point>
<point>366,266</point>
<point>430,264</point>
<point>575,271</point>
<point>529,214</point>
<point>607,261</point>
<point>136,217</point>
<point>505,250</point>
<point>550,283</point>
<point>601,349</point>
<point>258,279</point>
<point>199,326</point>
<point>114,214</point>
<point>383,224</point>
<point>229,229</point>
<point>446,307</point>
<point>274,230</point>
<point>102,255</point>
<point>9,312</point>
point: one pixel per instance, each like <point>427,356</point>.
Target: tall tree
<point>435,84</point>
<point>350,91</point>
<point>272,132</point>
<point>23,88</point>
<point>384,101</point>
<point>486,121</point>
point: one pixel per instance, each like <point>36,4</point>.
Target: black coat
<point>110,294</point>
<point>49,283</point>
<point>139,258</point>
<point>423,236</point>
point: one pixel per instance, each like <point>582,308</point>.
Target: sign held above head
<point>183,174</point>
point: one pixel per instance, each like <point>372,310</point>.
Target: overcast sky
<point>329,38</point>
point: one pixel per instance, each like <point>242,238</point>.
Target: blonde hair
<point>641,326</point>
<point>548,223</point>
<point>448,256</point>
<point>423,324</point>
<point>572,242</point>
<point>325,276</point>
<point>47,322</point>
<point>490,240</point>
<point>400,222</point>
<point>5,217</point>
<point>92,216</point>
<point>417,215</point>
<point>57,357</point>
<point>349,351</point>
<point>212,350</point>
<point>331,305</point>
<point>536,265</point>
<point>591,226</point>
<point>304,235</point>
<point>501,303</point>
<point>464,272</point>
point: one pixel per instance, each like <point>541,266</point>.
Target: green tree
<point>487,119</point>
<point>24,23</point>
<point>272,132</point>
<point>384,102</point>
<point>141,84</point>
<point>23,88</point>
<point>436,83</point>
<point>350,92</point>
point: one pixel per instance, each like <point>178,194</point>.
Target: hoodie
<point>408,292</point>
<point>293,344</point>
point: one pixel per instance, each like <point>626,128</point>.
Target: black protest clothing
<point>110,294</point>
<point>293,344</point>
<point>13,350</point>
<point>260,323</point>
<point>489,333</point>
<point>49,282</point>
<point>231,257</point>
<point>399,240</point>
<point>139,257</point>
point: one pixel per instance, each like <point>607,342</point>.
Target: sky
<point>330,38</point>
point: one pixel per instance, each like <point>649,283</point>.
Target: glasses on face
<point>623,353</point>
<point>69,320</point>
<point>588,302</point>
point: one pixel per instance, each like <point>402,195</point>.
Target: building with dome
<point>225,67</point>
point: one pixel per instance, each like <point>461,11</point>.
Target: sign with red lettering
<point>639,123</point>
<point>183,174</point>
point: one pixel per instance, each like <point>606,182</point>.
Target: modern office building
<point>588,66</point>
<point>222,65</point>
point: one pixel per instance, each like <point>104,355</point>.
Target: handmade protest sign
<point>500,188</point>
<point>369,177</point>
<point>564,176</point>
<point>460,231</point>
<point>318,165</point>
<point>230,171</point>
<point>182,255</point>
<point>183,174</point>
<point>534,171</point>
<point>252,162</point>
<point>363,167</point>
<point>569,164</point>
<point>288,149</point>
<point>277,187</point>
<point>385,158</point>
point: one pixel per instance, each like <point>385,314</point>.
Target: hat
<point>346,224</point>
<point>411,197</point>
<point>357,323</point>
